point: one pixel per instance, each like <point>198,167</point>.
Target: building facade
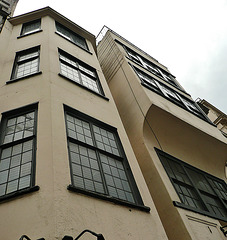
<point>66,163</point>
<point>215,115</point>
<point>180,151</point>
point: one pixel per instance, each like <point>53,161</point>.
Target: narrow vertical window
<point>26,63</point>
<point>17,150</point>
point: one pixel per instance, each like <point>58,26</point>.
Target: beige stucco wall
<point>53,211</point>
<point>170,128</point>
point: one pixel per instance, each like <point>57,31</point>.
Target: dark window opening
<point>195,188</point>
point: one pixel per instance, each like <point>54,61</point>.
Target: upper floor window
<point>169,93</point>
<point>26,63</point>
<point>97,160</point>
<point>197,190</point>
<point>72,36</point>
<point>151,67</point>
<point>17,150</point>
<point>31,27</point>
<point>79,72</point>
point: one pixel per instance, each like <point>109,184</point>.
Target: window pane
<point>84,164</point>
<point>16,160</point>
<point>105,140</point>
<point>75,38</point>
<point>31,27</point>
<point>114,179</point>
<point>89,83</point>
<point>18,127</point>
<point>26,63</point>
<point>79,130</point>
<point>70,72</point>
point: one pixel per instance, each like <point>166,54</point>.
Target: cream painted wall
<point>53,211</point>
<point>171,129</point>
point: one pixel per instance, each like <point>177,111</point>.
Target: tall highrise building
<point>180,151</point>
<point>66,163</point>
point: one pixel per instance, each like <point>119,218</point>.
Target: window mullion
<point>99,160</point>
<point>102,173</point>
<point>27,59</point>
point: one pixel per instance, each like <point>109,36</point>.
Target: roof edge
<point>48,11</point>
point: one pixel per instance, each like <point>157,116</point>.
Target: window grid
<point>169,93</point>
<point>78,72</point>
<point>73,37</point>
<point>97,163</point>
<point>26,63</point>
<point>17,153</point>
<point>31,27</point>
<point>197,189</point>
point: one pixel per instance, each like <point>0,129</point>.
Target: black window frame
<point>138,203</point>
<point>26,33</point>
<point>199,192</point>
<point>72,36</point>
<point>169,93</point>
<point>151,67</point>
<point>18,62</point>
<point>82,69</point>
<point>14,114</point>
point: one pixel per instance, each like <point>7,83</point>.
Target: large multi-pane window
<point>26,63</point>
<point>71,36</point>
<point>196,189</point>
<point>79,72</point>
<point>31,27</point>
<point>151,67</point>
<point>154,85</point>
<point>97,160</point>
<point>17,150</point>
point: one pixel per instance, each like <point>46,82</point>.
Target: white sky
<point>187,36</point>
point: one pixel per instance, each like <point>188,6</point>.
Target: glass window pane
<point>12,186</point>
<point>24,182</point>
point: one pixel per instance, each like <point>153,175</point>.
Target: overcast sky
<point>187,36</point>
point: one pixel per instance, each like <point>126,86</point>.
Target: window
<point>196,189</point>
<point>31,27</point>
<point>167,92</point>
<point>26,63</point>
<point>17,150</point>
<point>98,163</point>
<point>151,67</point>
<point>79,72</point>
<point>71,36</point>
